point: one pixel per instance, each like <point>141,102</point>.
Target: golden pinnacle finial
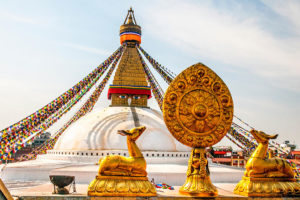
<point>130,19</point>
<point>129,30</point>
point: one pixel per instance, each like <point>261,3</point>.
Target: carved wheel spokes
<point>198,107</point>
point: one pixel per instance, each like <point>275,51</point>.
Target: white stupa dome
<point>98,131</point>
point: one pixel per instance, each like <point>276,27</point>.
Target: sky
<point>254,46</point>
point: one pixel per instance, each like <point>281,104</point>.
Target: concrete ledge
<point>43,192</point>
<point>148,198</point>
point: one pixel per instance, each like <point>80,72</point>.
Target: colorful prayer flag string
<point>42,114</point>
<point>156,89</point>
<point>166,74</point>
<point>87,107</point>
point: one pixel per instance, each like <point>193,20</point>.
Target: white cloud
<point>229,37</point>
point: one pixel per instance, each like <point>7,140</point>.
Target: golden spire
<point>130,17</point>
<point>129,30</point>
<point>130,87</point>
<point>130,21</point>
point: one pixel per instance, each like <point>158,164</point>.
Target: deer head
<point>134,133</point>
<point>262,137</point>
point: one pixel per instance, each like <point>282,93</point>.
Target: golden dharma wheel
<point>198,107</point>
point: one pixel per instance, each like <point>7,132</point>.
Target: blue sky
<point>254,46</point>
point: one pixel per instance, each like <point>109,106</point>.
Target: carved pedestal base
<point>121,186</point>
<point>267,187</point>
<point>198,182</point>
<point>196,186</point>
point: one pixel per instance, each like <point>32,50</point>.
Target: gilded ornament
<point>267,177</point>
<point>198,111</point>
<point>200,102</point>
<point>123,176</point>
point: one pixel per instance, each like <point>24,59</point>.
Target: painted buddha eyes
<point>125,96</point>
<point>136,97</point>
<point>122,96</point>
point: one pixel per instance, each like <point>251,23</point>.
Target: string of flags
<point>85,108</point>
<point>242,139</point>
<point>164,72</point>
<point>14,144</point>
<point>240,134</point>
<point>41,114</point>
<point>248,134</point>
<point>234,142</point>
<point>296,170</point>
<point>156,89</point>
<point>234,133</point>
<point>13,140</point>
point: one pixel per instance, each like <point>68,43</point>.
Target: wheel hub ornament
<point>198,111</point>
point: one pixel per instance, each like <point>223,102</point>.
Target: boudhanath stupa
<point>94,134</point>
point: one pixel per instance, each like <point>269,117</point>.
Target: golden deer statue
<point>134,165</point>
<point>267,176</point>
<point>259,165</point>
<point>123,176</point>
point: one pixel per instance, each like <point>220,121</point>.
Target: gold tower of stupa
<point>130,87</point>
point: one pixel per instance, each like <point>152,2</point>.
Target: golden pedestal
<point>198,181</point>
<point>197,186</point>
<point>121,186</point>
<point>267,187</point>
<point>267,177</point>
<point>123,176</point>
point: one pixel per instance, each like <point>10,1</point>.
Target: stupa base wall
<point>93,156</point>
